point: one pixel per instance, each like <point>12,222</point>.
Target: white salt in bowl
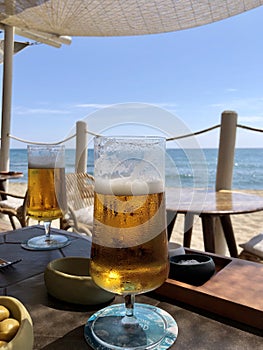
<point>68,279</point>
<point>193,269</point>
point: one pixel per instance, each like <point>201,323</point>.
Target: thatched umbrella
<point>52,21</point>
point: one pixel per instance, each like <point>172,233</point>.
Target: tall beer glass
<point>129,254</point>
<point>46,192</point>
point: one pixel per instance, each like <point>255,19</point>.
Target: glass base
<point>156,329</point>
<point>41,242</point>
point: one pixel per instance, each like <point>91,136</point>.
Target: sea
<point>184,168</point>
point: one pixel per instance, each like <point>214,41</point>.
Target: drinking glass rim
<point>133,137</point>
<point>49,146</point>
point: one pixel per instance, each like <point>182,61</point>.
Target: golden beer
<point>129,245</point>
<point>44,185</point>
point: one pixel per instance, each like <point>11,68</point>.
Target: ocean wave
<point>186,171</point>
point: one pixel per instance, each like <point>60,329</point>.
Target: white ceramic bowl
<point>68,279</point>
<point>24,337</point>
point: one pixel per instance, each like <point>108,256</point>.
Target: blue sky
<point>194,74</point>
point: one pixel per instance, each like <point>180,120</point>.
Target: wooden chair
<point>15,207</point>
<point>80,199</point>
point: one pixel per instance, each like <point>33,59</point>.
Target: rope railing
<point>193,133</point>
<point>93,133</point>
<point>249,128</point>
<point>41,143</point>
<point>168,139</point>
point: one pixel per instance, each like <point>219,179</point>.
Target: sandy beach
<point>245,226</point>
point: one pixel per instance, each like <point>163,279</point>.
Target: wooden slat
<point>234,292</point>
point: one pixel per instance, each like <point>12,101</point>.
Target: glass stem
<point>47,225</point>
<point>129,319</point>
<point>129,304</point>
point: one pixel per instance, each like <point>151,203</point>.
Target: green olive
<point>8,328</point>
<point>3,343</point>
<point>4,312</point>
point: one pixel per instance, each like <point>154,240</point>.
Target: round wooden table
<point>209,205</point>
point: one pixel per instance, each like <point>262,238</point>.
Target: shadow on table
<point>57,304</point>
<point>72,340</point>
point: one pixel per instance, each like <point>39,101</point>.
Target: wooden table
<point>209,205</point>
<point>8,175</point>
<point>58,325</point>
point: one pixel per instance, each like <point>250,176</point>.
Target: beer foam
<point>48,157</point>
<point>46,164</point>
<point>128,186</point>
<point>35,165</point>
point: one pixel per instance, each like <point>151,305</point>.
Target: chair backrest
<point>80,190</point>
<point>14,205</point>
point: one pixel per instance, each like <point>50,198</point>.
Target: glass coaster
<point>38,243</point>
<point>163,338</point>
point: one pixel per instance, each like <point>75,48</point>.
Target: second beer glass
<point>46,192</point>
<point>129,243</point>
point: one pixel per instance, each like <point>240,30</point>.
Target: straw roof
<point>115,17</point>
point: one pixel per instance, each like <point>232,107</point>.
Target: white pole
<point>7,96</point>
<point>81,147</point>
<point>226,151</point>
<point>225,165</point>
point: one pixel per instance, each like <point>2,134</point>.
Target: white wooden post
<point>226,151</point>
<point>225,165</point>
<point>81,147</point>
<point>7,96</point>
